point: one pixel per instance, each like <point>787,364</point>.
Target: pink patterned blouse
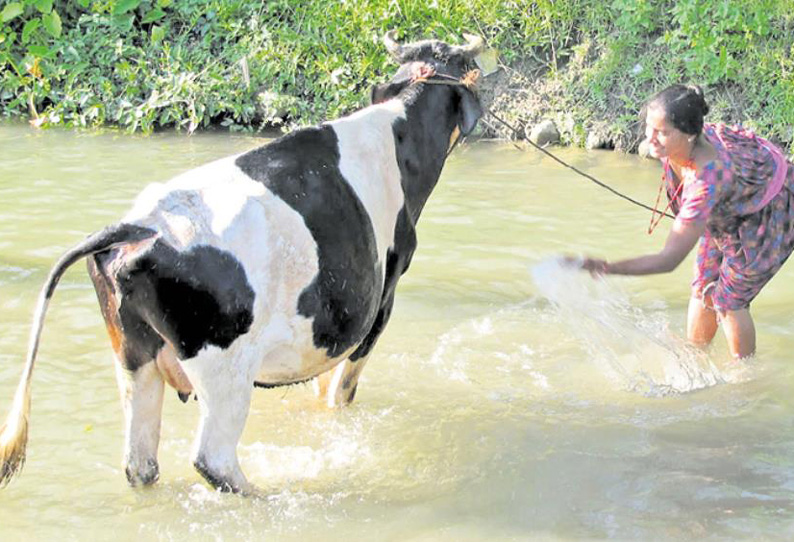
<point>746,198</point>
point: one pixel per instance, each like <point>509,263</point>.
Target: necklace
<point>656,215</point>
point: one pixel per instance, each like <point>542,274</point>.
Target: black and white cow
<point>267,268</point>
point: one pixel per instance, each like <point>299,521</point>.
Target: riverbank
<point>529,96</point>
<point>146,65</point>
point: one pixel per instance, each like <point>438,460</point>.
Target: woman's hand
<point>597,267</point>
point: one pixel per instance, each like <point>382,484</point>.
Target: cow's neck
<point>422,141</point>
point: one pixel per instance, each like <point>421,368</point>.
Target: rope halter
<point>425,73</point>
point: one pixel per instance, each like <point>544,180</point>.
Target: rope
<point>469,80</point>
<point>582,173</point>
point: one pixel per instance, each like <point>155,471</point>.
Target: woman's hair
<point>683,105</point>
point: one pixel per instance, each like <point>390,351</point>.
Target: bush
<point>245,64</point>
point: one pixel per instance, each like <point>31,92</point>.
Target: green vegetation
<point>247,64</point>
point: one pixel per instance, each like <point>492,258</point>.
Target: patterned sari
<point>746,198</point>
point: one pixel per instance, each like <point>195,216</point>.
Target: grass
<point>144,65</point>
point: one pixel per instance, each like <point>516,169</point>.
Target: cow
<point>272,267</point>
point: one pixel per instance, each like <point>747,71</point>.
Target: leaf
<point>723,60</point>
<point>123,22</point>
<point>52,22</point>
<point>29,28</point>
<point>11,10</point>
<point>39,50</point>
<point>44,6</point>
<point>158,33</point>
<point>164,3</point>
<point>488,61</point>
<point>154,15</point>
<point>123,6</point>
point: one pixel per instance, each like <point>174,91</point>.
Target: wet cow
<point>268,268</point>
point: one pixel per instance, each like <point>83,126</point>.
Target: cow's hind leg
<point>337,387</point>
<point>140,383</point>
<point>142,399</point>
<point>224,394</point>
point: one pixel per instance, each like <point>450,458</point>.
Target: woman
<point>733,195</point>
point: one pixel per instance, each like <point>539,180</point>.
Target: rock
<point>643,149</point>
<point>596,141</point>
<point>544,133</point>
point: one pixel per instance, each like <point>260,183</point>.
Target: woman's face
<point>664,140</point>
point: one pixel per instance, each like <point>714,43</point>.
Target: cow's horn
<point>474,46</point>
<point>394,48</point>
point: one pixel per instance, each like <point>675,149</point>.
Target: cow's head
<point>439,63</point>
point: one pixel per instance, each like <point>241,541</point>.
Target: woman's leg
<point>737,325</point>
<point>740,332</point>
<point>701,325</point>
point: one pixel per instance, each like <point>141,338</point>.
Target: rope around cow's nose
<point>425,73</point>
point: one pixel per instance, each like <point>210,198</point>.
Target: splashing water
<point>631,346</point>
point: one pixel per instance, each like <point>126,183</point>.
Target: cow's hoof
<point>225,484</point>
<point>342,398</point>
<point>320,386</point>
<point>144,475</point>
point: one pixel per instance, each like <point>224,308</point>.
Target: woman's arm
<point>680,241</point>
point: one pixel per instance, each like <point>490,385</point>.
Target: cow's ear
<point>386,91</point>
<point>378,93</point>
<point>470,111</point>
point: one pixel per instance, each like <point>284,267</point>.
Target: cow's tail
<point>14,432</point>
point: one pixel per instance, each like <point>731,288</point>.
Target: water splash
<point>450,356</point>
<point>290,464</point>
<point>342,446</point>
<point>630,345</point>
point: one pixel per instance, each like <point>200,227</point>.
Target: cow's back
<point>304,240</point>
<point>343,179</point>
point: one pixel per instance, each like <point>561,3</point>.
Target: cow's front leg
<point>224,396</point>
<point>142,399</point>
<point>337,387</point>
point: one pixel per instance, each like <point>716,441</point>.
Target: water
<point>635,347</point>
<point>510,398</point>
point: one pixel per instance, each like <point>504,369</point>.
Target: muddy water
<point>508,399</point>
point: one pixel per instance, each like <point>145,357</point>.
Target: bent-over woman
<point>732,193</point>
